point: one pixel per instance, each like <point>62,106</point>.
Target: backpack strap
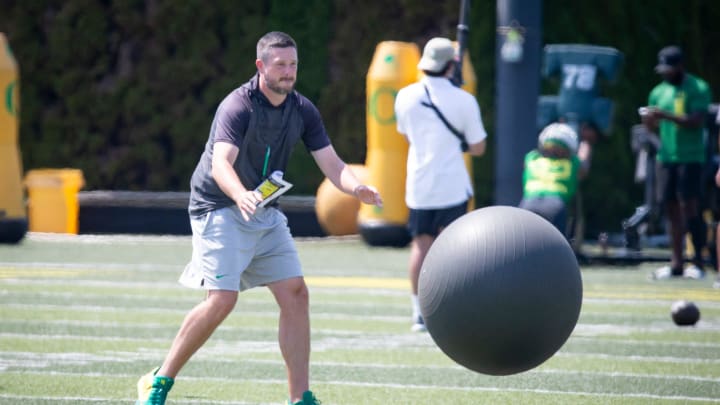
<point>463,142</point>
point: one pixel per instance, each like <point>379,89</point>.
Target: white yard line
<point>357,342</point>
<point>41,360</point>
<point>433,387</point>
<point>93,400</point>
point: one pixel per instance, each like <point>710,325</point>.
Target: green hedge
<point>126,90</point>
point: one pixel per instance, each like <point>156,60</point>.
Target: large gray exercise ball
<point>500,290</point>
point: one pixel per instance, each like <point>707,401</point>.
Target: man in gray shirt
<point>238,245</point>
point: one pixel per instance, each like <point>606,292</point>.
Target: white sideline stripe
<point>342,332</point>
<point>533,390</point>
<point>634,302</point>
<point>165,285</point>
<point>95,266</point>
<point>648,342</point>
<point>420,386</point>
<point>340,316</point>
<point>657,359</point>
<point>130,357</point>
<point>76,337</point>
<point>81,358</point>
<point>614,374</point>
<point>248,345</point>
<point>219,346</point>
<point>224,327</point>
<point>125,400</point>
<point>595,329</point>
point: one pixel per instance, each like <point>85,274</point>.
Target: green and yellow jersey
<point>545,176</point>
<point>681,145</point>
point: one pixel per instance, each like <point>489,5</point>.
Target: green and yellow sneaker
<point>153,389</point>
<point>308,398</point>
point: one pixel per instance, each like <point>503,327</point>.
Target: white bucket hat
<point>437,53</point>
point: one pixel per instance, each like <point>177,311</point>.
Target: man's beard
<point>275,86</point>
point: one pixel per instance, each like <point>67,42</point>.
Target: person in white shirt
<point>440,122</point>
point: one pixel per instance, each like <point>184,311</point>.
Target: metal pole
<point>462,39</point>
<point>518,88</point>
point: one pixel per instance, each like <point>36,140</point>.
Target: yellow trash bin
<point>53,199</point>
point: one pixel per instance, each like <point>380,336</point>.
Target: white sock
<point>415,305</point>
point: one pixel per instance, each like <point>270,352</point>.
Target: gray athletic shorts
<point>230,253</point>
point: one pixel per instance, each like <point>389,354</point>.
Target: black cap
<point>669,58</point>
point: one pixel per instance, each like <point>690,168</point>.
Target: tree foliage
<point>126,90</point>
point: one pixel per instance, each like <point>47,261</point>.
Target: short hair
<point>274,39</point>
<point>442,72</point>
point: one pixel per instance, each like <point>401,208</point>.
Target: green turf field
<point>81,318</point>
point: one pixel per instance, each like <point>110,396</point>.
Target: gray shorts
<point>232,254</point>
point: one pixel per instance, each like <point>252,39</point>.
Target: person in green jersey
<point>676,111</point>
<point>552,171</point>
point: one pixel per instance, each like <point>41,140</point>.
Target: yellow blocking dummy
<point>394,66</point>
<point>13,220</point>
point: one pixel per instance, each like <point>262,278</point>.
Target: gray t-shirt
<point>264,134</point>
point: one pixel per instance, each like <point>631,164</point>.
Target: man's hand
<point>659,114</point>
<point>368,195</point>
<point>247,202</point>
<point>693,120</point>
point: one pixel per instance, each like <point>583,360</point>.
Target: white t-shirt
<point>436,172</point>
<point>717,117</point>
